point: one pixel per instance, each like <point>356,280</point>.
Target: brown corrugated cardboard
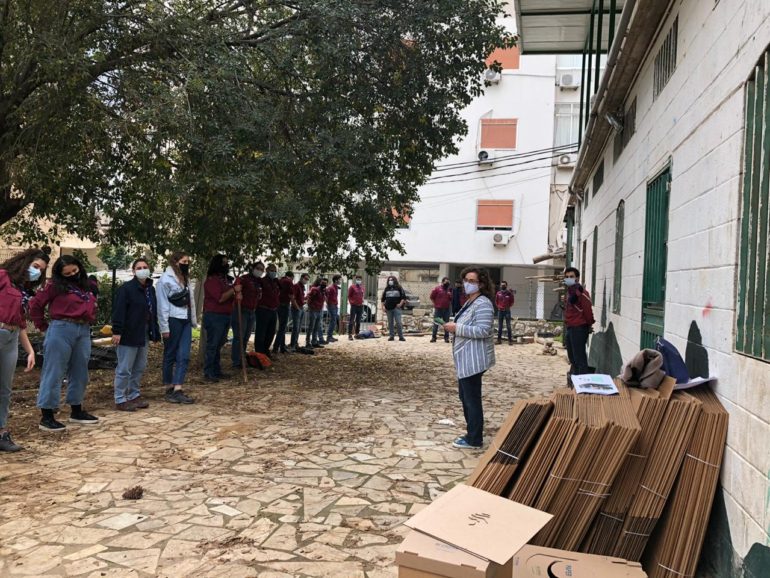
<point>539,562</point>
<point>480,523</point>
<point>420,556</point>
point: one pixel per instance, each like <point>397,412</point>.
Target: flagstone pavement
<point>307,471</point>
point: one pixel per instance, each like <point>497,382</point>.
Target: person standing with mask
<point>504,301</point>
<point>297,310</point>
<point>333,307</point>
<point>356,299</point>
<point>441,297</point>
<point>218,301</point>
<point>267,311</point>
<point>176,319</point>
<point>134,325</point>
<point>285,299</point>
<point>315,305</point>
<point>473,350</point>
<point>458,297</point>
<point>250,292</point>
<point>19,276</point>
<point>320,330</point>
<point>579,320</point>
<point>67,346</point>
<point>393,298</point>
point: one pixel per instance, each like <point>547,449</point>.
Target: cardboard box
<point>539,562</point>
<point>467,533</point>
<point>420,556</point>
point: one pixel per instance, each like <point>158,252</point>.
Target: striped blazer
<point>474,348</point>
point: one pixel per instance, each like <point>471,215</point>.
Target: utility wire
<point>481,173</point>
<point>483,176</point>
<point>450,166</point>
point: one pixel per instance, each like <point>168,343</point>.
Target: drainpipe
<point>612,59</point>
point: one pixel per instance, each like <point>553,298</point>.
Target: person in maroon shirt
<point>219,295</point>
<point>333,306</point>
<point>297,311</point>
<point>251,291</point>
<point>441,297</point>
<point>67,346</point>
<point>356,299</point>
<point>267,311</point>
<point>285,300</point>
<point>504,299</point>
<point>19,276</point>
<point>315,305</point>
<point>578,319</point>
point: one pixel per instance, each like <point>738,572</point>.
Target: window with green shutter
<point>752,336</point>
<point>619,220</point>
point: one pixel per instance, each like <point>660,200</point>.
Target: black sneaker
<point>83,417</point>
<point>316,345</point>
<point>178,397</point>
<point>391,338</point>
<point>433,340</point>
<point>332,340</point>
<point>402,339</point>
<point>350,338</point>
<point>6,443</point>
<point>48,423</point>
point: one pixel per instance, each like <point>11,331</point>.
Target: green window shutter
<point>655,259</point>
<point>619,221</point>
<point>752,335</point>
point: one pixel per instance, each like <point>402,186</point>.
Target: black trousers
<point>470,396</point>
<point>576,340</point>
<point>267,319</point>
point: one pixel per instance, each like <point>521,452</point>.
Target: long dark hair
<point>396,284</point>
<point>61,283</point>
<point>17,267</point>
<point>486,285</point>
<point>215,265</point>
<point>173,262</point>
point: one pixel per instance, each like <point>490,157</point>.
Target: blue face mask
<point>272,274</point>
<point>570,281</point>
<point>33,273</point>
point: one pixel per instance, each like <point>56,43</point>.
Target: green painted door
<point>655,259</point>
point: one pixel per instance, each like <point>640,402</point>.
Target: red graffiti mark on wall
<point>707,309</point>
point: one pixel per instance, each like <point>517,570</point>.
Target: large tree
<point>288,128</point>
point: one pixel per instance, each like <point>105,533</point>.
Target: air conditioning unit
<point>486,156</point>
<point>500,240</point>
<point>566,160</point>
<point>492,76</point>
<point>569,81</point>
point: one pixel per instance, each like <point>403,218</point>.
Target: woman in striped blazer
<point>473,350</point>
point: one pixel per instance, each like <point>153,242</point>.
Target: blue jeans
<point>9,355</point>
<point>241,339</point>
<point>217,325</point>
<point>470,396</point>
<point>504,316</point>
<point>394,318</point>
<point>354,321</point>
<point>442,313</point>
<point>576,339</point>
<point>296,326</point>
<point>267,319</point>
<point>311,334</point>
<point>132,361</point>
<point>176,351</point>
<point>334,320</point>
<point>283,320</point>
<point>66,350</point>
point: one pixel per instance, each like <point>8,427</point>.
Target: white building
<point>490,204</point>
<point>670,205</point>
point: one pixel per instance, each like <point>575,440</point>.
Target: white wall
<point>697,122</point>
<point>443,226</point>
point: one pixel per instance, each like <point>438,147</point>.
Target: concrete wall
<point>696,124</point>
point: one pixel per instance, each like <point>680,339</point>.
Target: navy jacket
<point>130,316</point>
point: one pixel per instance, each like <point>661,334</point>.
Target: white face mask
<point>358,281</point>
<point>570,281</point>
<point>470,288</point>
<point>142,273</point>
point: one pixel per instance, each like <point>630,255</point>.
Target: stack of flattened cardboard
<point>509,449</point>
<point>676,546</point>
<point>529,483</point>
<point>650,406</point>
<point>536,561</point>
<point>605,429</point>
<point>665,459</point>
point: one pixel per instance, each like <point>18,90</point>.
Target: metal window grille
<point>617,281</point>
<point>665,60</point>
<point>752,336</point>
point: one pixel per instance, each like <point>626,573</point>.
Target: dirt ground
<point>309,469</point>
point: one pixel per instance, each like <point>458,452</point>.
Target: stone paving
<point>309,470</point>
